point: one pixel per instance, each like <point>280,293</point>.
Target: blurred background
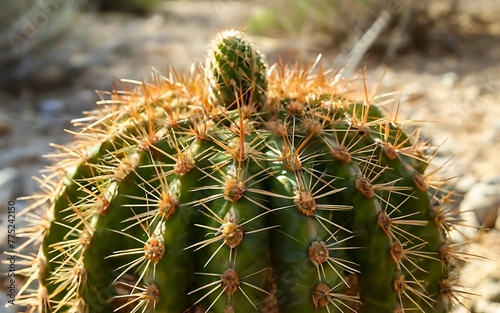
<point>442,57</point>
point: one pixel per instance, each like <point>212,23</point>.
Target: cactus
<point>241,189</point>
<point>236,70</point>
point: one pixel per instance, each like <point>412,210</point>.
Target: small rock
<point>495,136</point>
<point>490,289</point>
<point>4,304</point>
<point>82,100</point>
<point>465,183</point>
<point>497,222</point>
<point>25,154</point>
<point>3,234</point>
<point>484,200</point>
<point>50,107</point>
<point>48,111</point>
<point>46,76</point>
<point>494,180</point>
<point>449,79</point>
<point>5,125</point>
<point>10,186</point>
<point>485,306</point>
<point>29,184</point>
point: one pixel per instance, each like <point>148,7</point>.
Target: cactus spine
<point>241,189</point>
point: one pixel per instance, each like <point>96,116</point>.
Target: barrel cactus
<point>241,188</point>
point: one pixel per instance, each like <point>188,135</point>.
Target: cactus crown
<point>236,70</point>
<point>241,190</point>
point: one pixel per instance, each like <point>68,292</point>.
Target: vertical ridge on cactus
<point>240,188</point>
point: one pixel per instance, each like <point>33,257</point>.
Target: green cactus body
<point>239,190</point>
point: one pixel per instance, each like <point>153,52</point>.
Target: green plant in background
<point>405,25</point>
<point>239,188</point>
<point>331,19</point>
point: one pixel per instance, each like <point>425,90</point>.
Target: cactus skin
<point>236,70</point>
<point>184,195</point>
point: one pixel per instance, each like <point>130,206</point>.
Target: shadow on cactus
<point>239,188</point>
